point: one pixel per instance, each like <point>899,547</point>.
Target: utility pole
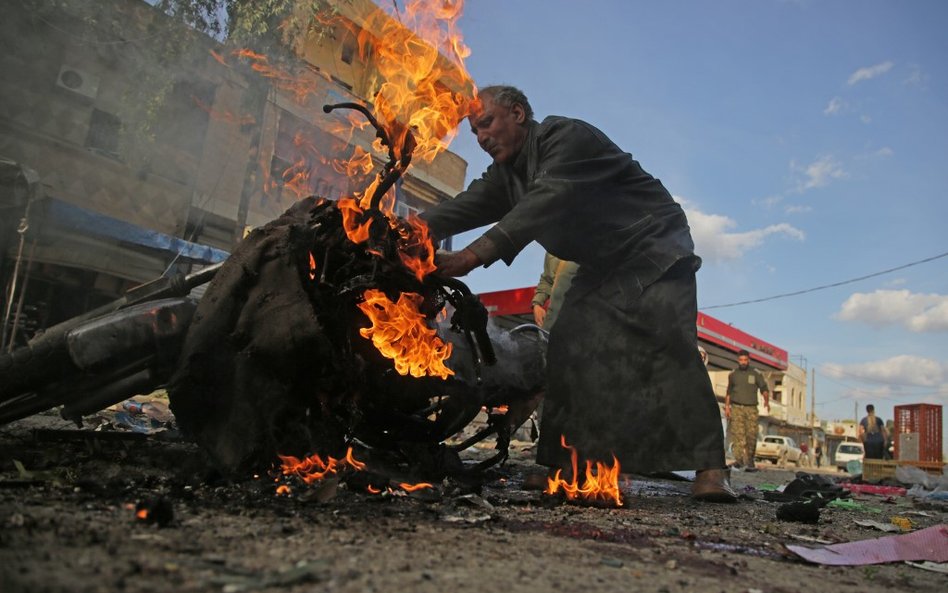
<point>812,397</point>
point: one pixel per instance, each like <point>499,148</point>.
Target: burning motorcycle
<point>327,326</point>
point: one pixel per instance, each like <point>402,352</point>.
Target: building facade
<point>142,165</point>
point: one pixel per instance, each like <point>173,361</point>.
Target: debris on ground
<point>928,544</point>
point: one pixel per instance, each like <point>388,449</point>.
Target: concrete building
<point>124,190</point>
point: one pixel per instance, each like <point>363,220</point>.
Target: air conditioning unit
<point>78,81</point>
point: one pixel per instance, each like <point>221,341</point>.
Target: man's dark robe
<point>625,377</point>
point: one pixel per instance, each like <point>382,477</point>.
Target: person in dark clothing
<point>625,377</point>
<point>873,434</point>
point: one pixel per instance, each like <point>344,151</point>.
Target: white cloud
<point>797,209</point>
<point>915,312</point>
<point>917,77</point>
<point>818,173</point>
<point>904,370</point>
<point>715,242</point>
<point>884,152</point>
<point>835,107</point>
<point>870,72</point>
<point>769,202</point>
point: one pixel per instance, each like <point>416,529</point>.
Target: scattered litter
<point>800,512</point>
<point>887,527</point>
<point>903,523</point>
<point>874,489</point>
<point>469,518</point>
<point>941,567</point>
<point>919,491</point>
<point>476,501</point>
<point>852,505</point>
<point>807,538</point>
<point>927,544</point>
<point>807,487</point>
<point>138,423</point>
<point>612,562</point>
<point>909,474</point>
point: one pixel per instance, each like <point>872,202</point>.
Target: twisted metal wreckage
<point>277,358</point>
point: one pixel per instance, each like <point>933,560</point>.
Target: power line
<point>833,285</point>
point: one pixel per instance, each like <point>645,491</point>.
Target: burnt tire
<point>33,367</point>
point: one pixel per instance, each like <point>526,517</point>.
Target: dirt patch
<point>69,524</point>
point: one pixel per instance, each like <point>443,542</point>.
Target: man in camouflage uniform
<point>740,408</point>
<point>555,280</point>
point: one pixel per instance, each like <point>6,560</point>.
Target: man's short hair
<point>870,408</point>
<point>508,96</point>
<point>743,353</point>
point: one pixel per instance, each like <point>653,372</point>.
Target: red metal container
<point>918,432</point>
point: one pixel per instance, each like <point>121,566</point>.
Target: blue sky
<point>807,141</point>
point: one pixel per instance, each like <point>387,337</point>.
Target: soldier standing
<point>742,386</point>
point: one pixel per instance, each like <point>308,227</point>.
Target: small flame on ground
<point>283,490</point>
<point>142,514</point>
<point>400,333</point>
<point>313,468</point>
<point>414,487</point>
<point>601,484</point>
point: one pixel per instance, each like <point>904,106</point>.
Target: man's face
<point>499,130</point>
<point>743,361</point>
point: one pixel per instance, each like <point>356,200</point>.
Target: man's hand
<point>727,411</point>
<point>539,314</point>
<point>456,263</point>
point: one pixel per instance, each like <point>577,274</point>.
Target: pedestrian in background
<point>873,434</point>
<point>740,408</point>
<point>555,280</point>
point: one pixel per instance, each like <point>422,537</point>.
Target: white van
<point>847,452</point>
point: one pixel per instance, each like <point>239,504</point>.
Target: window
<point>348,51</point>
<point>185,115</point>
<point>302,157</point>
<point>103,134</point>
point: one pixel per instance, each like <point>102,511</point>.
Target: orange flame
<point>142,514</point>
<point>312,266</point>
<point>414,487</point>
<point>417,57</point>
<point>416,249</point>
<point>283,490</point>
<point>313,468</point>
<point>420,58</point>
<point>599,485</point>
<point>400,333</point>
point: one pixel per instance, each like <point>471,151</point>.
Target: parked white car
<point>847,452</point>
<point>778,450</point>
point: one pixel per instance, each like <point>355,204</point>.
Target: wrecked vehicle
<point>319,330</point>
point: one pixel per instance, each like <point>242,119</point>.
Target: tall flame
<point>420,58</point>
<point>400,333</point>
<point>601,484</point>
